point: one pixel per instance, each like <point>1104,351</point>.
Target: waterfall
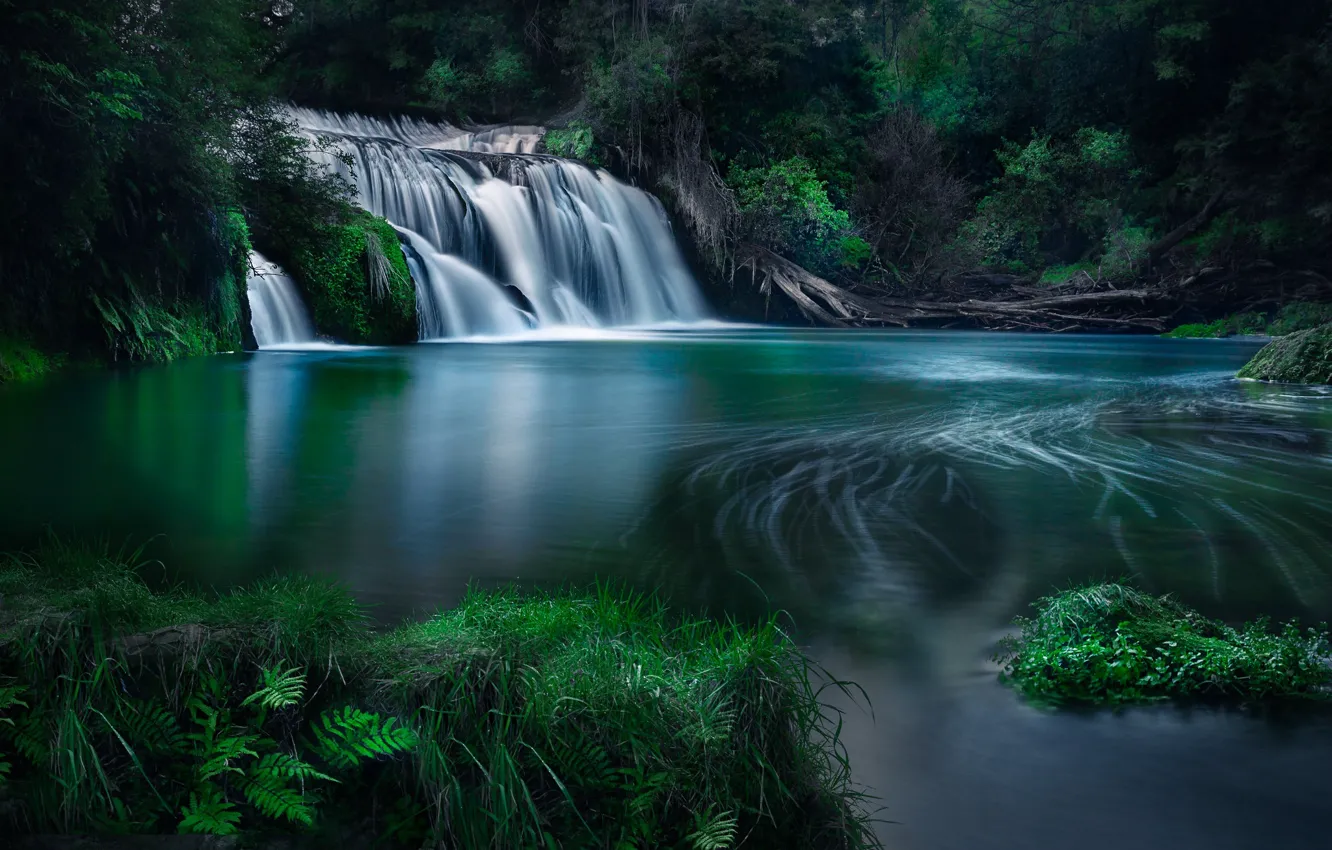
<point>277,315</point>
<point>500,240</point>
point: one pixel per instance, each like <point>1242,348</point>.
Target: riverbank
<point>512,720</point>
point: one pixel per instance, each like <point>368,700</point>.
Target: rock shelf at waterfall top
<point>514,720</point>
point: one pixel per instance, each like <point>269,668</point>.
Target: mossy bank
<point>355,280</point>
<point>1301,358</point>
<point>542,720</point>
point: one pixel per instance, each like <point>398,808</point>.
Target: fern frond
<point>209,813</point>
<point>288,767</point>
<point>281,688</point>
<point>152,727</point>
<point>217,756</point>
<point>714,832</point>
<point>32,738</point>
<point>348,736</point>
<point>9,697</point>
<point>269,792</point>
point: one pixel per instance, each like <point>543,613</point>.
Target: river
<point>900,495</point>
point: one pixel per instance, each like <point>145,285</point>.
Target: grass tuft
<point>514,720</point>
<point>1109,643</point>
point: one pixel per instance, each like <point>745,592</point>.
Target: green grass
<point>1109,643</point>
<point>514,720</point>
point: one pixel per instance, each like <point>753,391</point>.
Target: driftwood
<point>826,303</point>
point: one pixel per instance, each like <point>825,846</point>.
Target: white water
<point>508,242</point>
<point>277,315</point>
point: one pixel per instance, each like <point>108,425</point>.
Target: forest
<point>692,424</point>
<point>1041,164</point>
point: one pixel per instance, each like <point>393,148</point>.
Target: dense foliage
<point>891,143</point>
<point>1113,644</point>
<point>556,720</point>
<point>140,138</point>
<point>892,146</point>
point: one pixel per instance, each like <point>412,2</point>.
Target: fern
<point>714,833</point>
<point>209,813</point>
<point>152,727</point>
<point>9,697</point>
<point>289,767</point>
<point>348,736</point>
<point>32,737</point>
<point>281,688</point>
<point>269,792</point>
<point>586,765</point>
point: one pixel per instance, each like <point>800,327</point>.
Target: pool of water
<point>900,495</point>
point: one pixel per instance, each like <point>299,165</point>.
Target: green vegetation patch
<point>21,362</point>
<point>355,279</point>
<point>541,720</point>
<point>1237,324</point>
<point>1300,358</point>
<point>1108,643</point>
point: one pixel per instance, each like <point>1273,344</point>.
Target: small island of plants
<point>513,720</point>
<point>1112,644</point>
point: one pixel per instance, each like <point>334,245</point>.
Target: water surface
<point>900,495</point>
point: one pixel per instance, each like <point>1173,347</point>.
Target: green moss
<point>1300,358</point>
<point>514,720</point>
<point>1113,644</point>
<point>21,362</point>
<point>335,268</point>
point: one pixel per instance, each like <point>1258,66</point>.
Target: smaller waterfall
<point>277,315</point>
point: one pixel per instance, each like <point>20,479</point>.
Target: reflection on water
<point>899,496</point>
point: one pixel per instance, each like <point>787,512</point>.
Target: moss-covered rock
<point>1301,358</point>
<point>355,281</point>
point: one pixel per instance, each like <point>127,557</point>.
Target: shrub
<point>573,142</point>
<point>786,207</point>
<point>1108,643</point>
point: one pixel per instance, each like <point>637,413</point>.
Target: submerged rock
<point>1301,358</point>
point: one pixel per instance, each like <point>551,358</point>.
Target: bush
<point>514,720</point>
<point>785,206</point>
<point>573,142</point>
<point>1109,643</point>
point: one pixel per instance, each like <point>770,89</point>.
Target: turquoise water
<point>900,495</point>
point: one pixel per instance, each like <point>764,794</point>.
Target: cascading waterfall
<point>500,240</point>
<point>277,315</point>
